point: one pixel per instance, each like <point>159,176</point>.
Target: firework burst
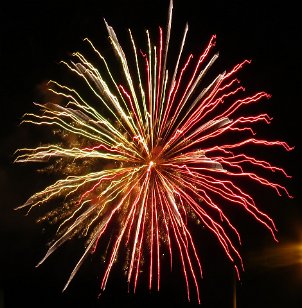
<point>155,158</point>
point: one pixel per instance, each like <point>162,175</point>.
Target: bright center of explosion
<point>154,158</point>
<point>151,164</point>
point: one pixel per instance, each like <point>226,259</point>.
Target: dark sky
<point>36,35</point>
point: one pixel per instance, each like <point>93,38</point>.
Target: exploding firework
<point>167,149</point>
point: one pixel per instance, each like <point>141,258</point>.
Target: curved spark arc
<point>147,169</point>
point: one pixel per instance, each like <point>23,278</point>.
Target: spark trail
<point>157,158</point>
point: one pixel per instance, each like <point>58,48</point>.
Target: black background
<point>36,35</point>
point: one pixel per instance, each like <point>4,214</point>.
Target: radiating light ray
<point>159,157</point>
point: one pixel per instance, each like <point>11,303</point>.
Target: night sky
<point>36,35</point>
